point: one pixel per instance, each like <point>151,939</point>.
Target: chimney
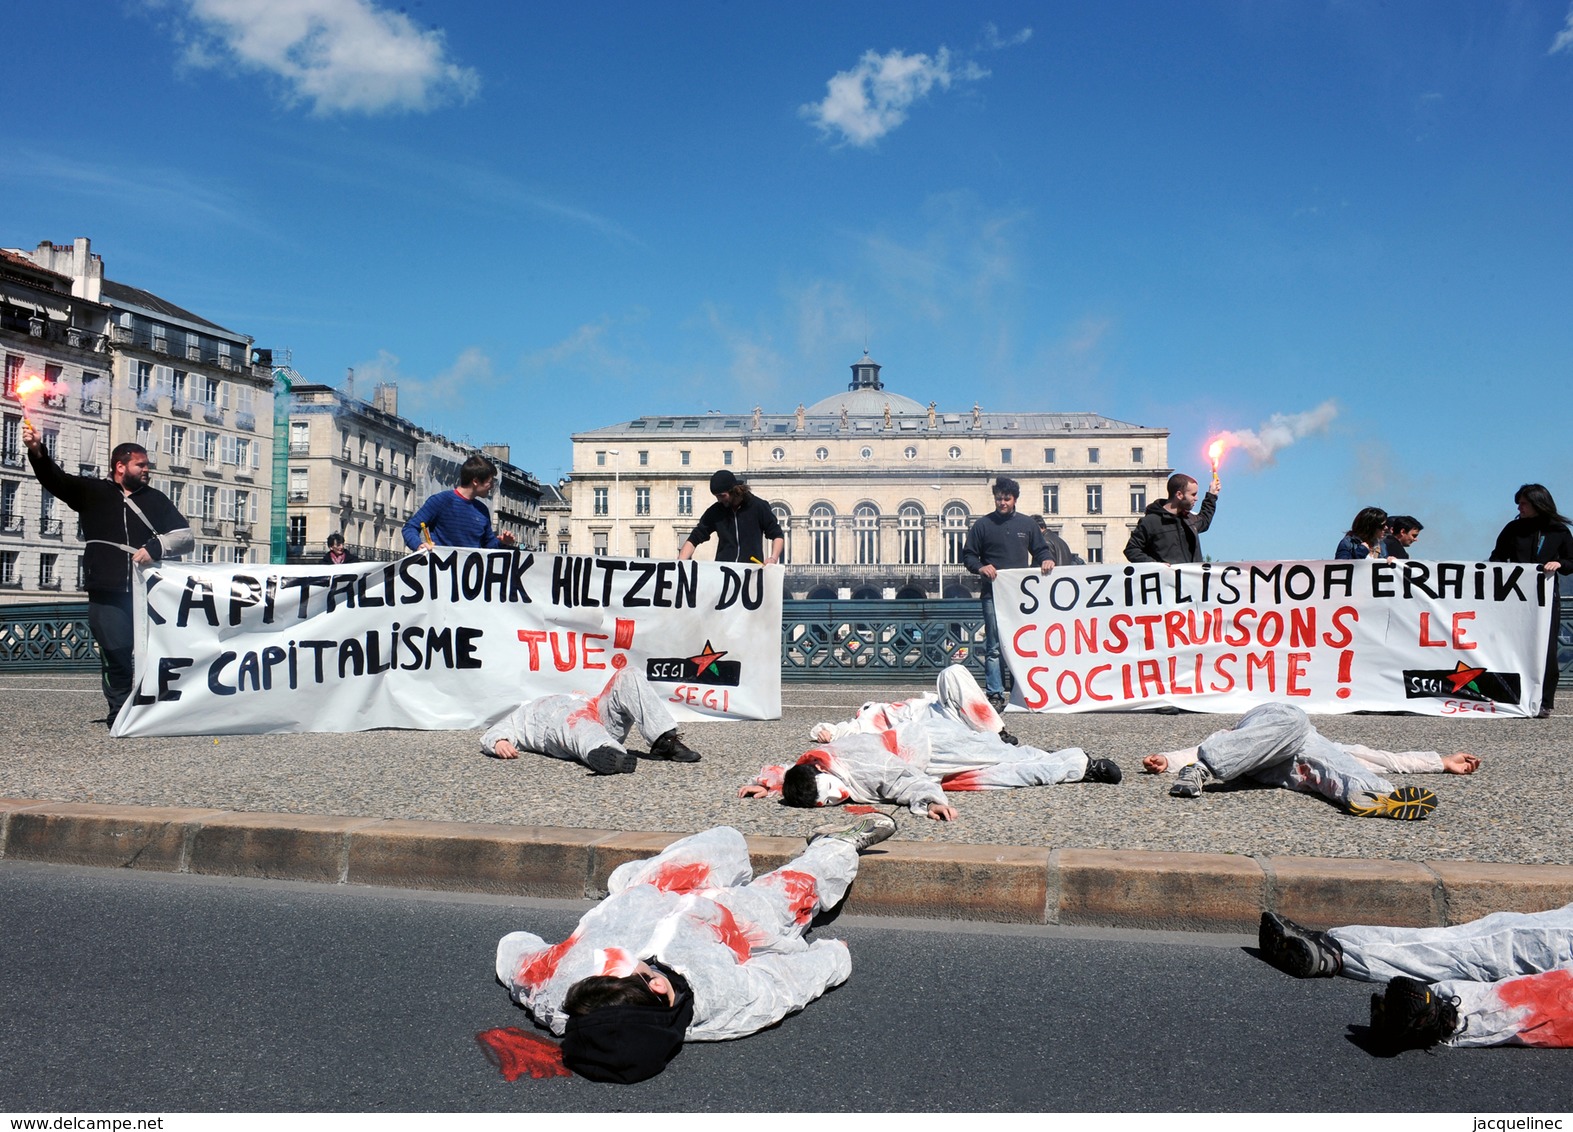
<point>349,384</point>
<point>385,397</point>
<point>496,452</point>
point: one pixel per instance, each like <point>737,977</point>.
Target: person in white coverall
<point>1504,979</point>
<point>589,730</point>
<point>688,945</point>
<point>912,751</point>
<point>1275,744</point>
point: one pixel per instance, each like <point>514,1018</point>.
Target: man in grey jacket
<point>1004,539</point>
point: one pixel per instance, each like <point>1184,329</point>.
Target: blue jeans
<point>993,676</point>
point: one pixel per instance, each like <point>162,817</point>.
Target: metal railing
<point>48,637</point>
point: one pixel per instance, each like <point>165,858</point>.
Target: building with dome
<point>875,491</point>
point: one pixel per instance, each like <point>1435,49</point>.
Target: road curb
<point>988,883</point>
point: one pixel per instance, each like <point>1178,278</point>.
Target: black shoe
<point>1410,1015</point>
<point>1301,952</point>
<point>672,749</point>
<point>1102,770</point>
<point>1008,739</point>
<point>610,760</point>
<point>997,701</point>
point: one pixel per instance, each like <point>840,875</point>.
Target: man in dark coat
<point>741,522</point>
<point>126,524</point>
<point>1004,539</point>
<point>1168,531</point>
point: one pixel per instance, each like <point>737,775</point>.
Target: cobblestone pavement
<point>1511,811</point>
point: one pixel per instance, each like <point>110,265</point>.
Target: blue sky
<point>537,220</point>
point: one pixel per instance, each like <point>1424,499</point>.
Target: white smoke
<point>1278,432</point>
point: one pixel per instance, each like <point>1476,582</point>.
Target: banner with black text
<point>444,639</point>
<point>1433,638</point>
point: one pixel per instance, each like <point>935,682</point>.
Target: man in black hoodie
<point>126,523</point>
<point>1003,540</point>
<point>1168,531</point>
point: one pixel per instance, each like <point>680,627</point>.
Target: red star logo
<point>707,658</point>
<point>1462,676</point>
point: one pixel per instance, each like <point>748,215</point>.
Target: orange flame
<point>1215,452</point>
<point>29,386</point>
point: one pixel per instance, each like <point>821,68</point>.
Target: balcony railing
<point>11,523</point>
<point>212,413</point>
<point>299,496</point>
<point>92,406</point>
<point>13,458</point>
<point>346,501</point>
<point>180,406</point>
<point>87,469</point>
<point>300,448</point>
<point>247,421</point>
<point>51,526</point>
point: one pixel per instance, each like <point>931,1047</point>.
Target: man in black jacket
<point>1168,532</point>
<point>741,522</point>
<point>1002,540</point>
<point>126,524</point>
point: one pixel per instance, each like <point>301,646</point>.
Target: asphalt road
<point>125,992</point>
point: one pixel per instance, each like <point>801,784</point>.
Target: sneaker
<point>1189,782</point>
<point>1301,952</point>
<point>868,830</point>
<point>1102,770</point>
<point>1008,739</point>
<point>1407,803</point>
<point>610,760</point>
<point>671,747</point>
<point>1410,1015</point>
<point>997,700</point>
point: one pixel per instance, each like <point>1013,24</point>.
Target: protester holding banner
<point>1500,980</point>
<point>125,524</point>
<point>741,522</point>
<point>1168,531</point>
<point>458,517</point>
<point>911,752</point>
<point>592,731</point>
<point>1540,535</point>
<point>1364,537</point>
<point>1004,539</point>
<point>1275,745</point>
<point>687,946</point>
<point>337,554</point>
<point>1402,531</point>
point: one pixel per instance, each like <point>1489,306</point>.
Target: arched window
<point>865,524</point>
<point>911,526</point>
<point>957,522</point>
<point>783,517</point>
<point>822,534</point>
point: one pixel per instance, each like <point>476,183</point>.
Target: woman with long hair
<point>1363,539</point>
<point>1540,535</point>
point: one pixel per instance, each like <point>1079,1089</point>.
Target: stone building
<point>49,333</point>
<point>360,469</point>
<point>186,390</point>
<point>874,490</point>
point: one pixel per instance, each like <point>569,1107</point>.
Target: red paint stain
<point>733,934</point>
<point>519,1054</point>
<point>616,958</point>
<point>1548,999</point>
<point>770,778</point>
<point>801,892</point>
<point>882,719</point>
<point>818,758</point>
<point>623,635</point>
<point>674,877</point>
<point>590,713</point>
<point>892,744</point>
<point>862,809</point>
<point>983,713</point>
<point>538,968</point>
<point>963,781</point>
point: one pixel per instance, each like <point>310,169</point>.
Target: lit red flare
<point>32,387</point>
<point>1215,452</point>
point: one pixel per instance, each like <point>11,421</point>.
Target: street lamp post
<point>617,500</point>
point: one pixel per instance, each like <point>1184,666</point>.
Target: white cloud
<point>1564,40</point>
<point>993,41</point>
<point>341,56</point>
<point>867,102</point>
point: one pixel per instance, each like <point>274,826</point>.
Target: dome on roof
<point>867,403</point>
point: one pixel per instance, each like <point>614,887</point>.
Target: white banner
<point>444,639</point>
<point>1432,638</point>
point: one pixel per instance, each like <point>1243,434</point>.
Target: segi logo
<point>1462,683</point>
<point>706,667</point>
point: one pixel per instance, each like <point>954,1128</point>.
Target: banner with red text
<point>444,639</point>
<point>1433,638</point>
